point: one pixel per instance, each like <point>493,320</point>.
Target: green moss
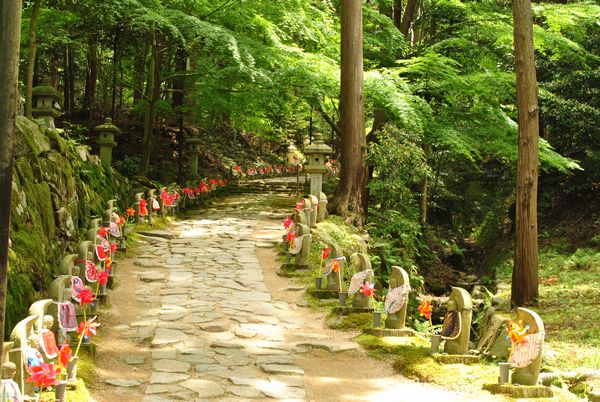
<point>20,295</point>
<point>350,322</point>
<point>77,393</point>
<point>414,360</point>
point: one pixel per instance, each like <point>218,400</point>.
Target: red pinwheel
<point>102,231</point>
<point>335,266</point>
<point>113,248</point>
<point>197,191</point>
<point>368,289</point>
<point>130,211</point>
<point>237,168</point>
<point>325,253</point>
<point>187,191</point>
<point>64,354</point>
<point>287,222</point>
<point>86,296</point>
<point>290,237</point>
<point>122,220</point>
<point>87,328</point>
<point>425,309</point>
<point>103,278</point>
<point>204,187</point>
<point>43,375</point>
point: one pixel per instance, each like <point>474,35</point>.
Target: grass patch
<point>569,305</point>
<point>413,359</point>
<point>350,322</point>
<point>77,393</point>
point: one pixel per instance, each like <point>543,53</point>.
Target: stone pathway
<point>216,332</point>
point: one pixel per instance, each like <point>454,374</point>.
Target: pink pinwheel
<point>43,375</point>
<point>88,328</point>
<point>287,222</point>
<point>300,206</point>
<point>368,289</point>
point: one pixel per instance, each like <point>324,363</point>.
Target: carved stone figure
<point>527,358</point>
<point>396,301</point>
<point>457,323</point>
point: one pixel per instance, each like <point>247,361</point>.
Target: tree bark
<point>525,272</point>
<point>408,16</point>
<point>113,101</point>
<point>397,13</point>
<point>138,74</point>
<point>424,187</point>
<point>351,194</point>
<point>10,36</point>
<point>66,81</point>
<point>153,94</point>
<point>31,58</point>
<point>91,77</point>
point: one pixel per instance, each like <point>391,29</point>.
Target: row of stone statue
<point>51,322</point>
<point>525,357</point>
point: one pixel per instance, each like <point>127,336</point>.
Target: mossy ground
<point>569,301</point>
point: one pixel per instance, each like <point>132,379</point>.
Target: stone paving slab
<point>216,332</point>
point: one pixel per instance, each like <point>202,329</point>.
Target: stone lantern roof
<point>46,96</point>
<point>318,146</point>
<point>108,126</point>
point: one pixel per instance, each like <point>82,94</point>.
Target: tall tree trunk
<point>178,100</point>
<point>66,81</point>
<point>424,187</point>
<point>153,94</point>
<point>408,16</point>
<point>113,101</point>
<point>525,272</point>
<point>10,37</point>
<point>351,194</point>
<point>53,67</point>
<point>138,74</point>
<point>31,58</point>
<point>91,77</point>
<point>397,13</point>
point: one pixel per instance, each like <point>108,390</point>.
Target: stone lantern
<point>316,153</point>
<point>45,106</point>
<point>106,140</point>
<point>194,144</point>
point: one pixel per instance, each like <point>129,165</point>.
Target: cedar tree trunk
<point>525,272</point>
<point>31,58</point>
<point>10,36</point>
<point>351,194</point>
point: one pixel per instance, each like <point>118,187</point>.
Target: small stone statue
<point>9,389</point>
<point>396,300</point>
<point>364,272</point>
<point>33,355</point>
<point>47,339</point>
<point>527,358</point>
<point>457,323</point>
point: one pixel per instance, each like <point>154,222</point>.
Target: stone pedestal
<point>520,391</point>
<point>455,359</point>
<point>383,332</point>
